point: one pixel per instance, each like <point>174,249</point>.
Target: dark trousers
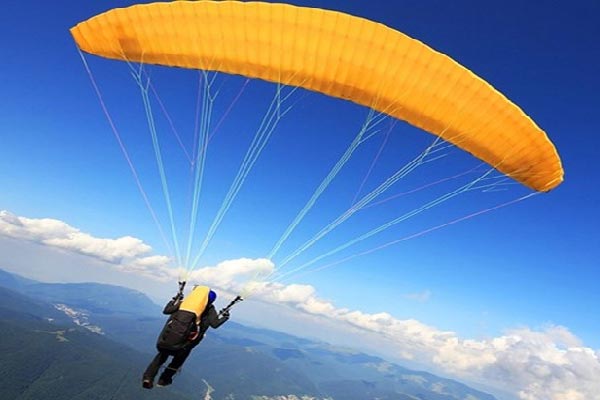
<point>179,358</point>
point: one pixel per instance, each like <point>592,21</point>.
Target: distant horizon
<point>313,339</point>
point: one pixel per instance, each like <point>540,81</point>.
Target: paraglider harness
<point>181,327</point>
<point>178,328</point>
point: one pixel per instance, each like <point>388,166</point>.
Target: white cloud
<point>227,274</point>
<point>543,364</point>
<point>295,293</point>
<point>128,253</point>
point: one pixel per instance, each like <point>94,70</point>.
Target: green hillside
<point>48,353</point>
<point>44,360</point>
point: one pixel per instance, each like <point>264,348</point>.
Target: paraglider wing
<point>339,55</point>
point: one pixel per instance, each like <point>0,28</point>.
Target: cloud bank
<point>543,364</point>
<point>129,253</point>
<point>546,364</point>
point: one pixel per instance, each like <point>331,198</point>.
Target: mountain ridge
<point>236,361</point>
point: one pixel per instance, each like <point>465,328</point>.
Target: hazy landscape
<point>92,341</point>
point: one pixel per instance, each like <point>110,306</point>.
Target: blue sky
<point>530,264</point>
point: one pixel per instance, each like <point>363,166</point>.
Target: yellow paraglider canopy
<point>339,55</point>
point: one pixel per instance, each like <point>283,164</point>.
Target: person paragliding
<point>189,319</point>
<point>329,52</point>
